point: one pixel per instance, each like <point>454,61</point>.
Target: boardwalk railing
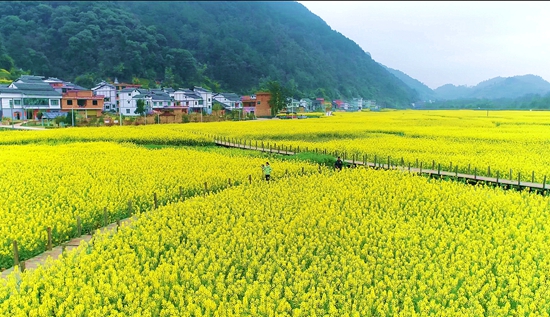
<point>379,164</point>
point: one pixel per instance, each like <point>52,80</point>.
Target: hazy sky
<point>447,42</point>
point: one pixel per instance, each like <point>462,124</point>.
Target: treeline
<point>530,101</point>
<point>89,41</point>
<point>226,45</point>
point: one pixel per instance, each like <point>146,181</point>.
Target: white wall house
<point>109,91</point>
<point>189,99</point>
<point>155,100</point>
<point>230,101</point>
<point>127,103</point>
<point>22,101</point>
<point>306,104</point>
<point>357,103</point>
<point>206,96</point>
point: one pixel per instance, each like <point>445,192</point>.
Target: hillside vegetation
<point>496,88</point>
<point>233,46</point>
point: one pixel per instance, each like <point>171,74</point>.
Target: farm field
<point>356,243</point>
<point>509,142</point>
<point>56,183</point>
<point>313,242</point>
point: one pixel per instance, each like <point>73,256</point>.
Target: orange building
<point>83,101</point>
<point>257,104</point>
<point>262,104</point>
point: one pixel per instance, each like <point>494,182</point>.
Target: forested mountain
<point>496,88</point>
<point>424,92</point>
<point>226,45</point>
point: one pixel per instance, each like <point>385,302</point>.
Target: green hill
<point>424,92</point>
<point>496,88</point>
<point>226,45</point>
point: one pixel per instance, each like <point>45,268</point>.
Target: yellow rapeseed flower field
<point>509,142</point>
<point>354,243</point>
<point>50,185</point>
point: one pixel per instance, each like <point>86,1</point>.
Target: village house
<point>356,104</point>
<point>126,102</point>
<point>206,96</point>
<point>188,100</point>
<point>228,100</point>
<point>62,86</point>
<point>109,92</point>
<point>83,102</point>
<point>306,104</point>
<point>155,100</point>
<point>26,97</point>
<point>257,105</point>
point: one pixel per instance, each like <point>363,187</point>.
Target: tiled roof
<point>193,95</point>
<point>33,86</point>
<point>31,79</point>
<point>103,84</point>
<point>200,89</point>
<point>35,89</point>
<point>53,80</point>
<point>161,97</point>
<point>9,90</point>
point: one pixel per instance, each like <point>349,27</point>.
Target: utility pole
<point>12,114</point>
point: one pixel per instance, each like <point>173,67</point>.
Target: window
<point>127,110</point>
<point>36,101</point>
<point>208,99</point>
<point>69,102</point>
<point>258,102</point>
<point>107,107</point>
<point>54,102</point>
<point>129,94</point>
<point>107,99</point>
<point>17,102</point>
<point>94,102</point>
<point>11,103</point>
<point>128,101</point>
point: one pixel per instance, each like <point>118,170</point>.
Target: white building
<point>155,100</point>
<point>109,91</point>
<point>127,103</point>
<point>206,96</point>
<point>357,103</point>
<point>188,99</point>
<point>229,101</point>
<point>23,100</point>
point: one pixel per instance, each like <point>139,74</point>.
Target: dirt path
<point>40,259</point>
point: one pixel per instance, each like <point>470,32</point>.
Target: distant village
<point>33,97</point>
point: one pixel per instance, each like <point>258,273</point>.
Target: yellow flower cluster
<point>503,142</point>
<point>45,185</point>
<point>175,134</point>
<point>507,142</point>
<point>353,243</point>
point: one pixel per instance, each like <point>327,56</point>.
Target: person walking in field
<point>267,171</point>
<point>338,164</point>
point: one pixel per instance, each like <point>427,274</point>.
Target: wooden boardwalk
<point>58,251</point>
<point>435,173</point>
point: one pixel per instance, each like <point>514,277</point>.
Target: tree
<point>217,107</point>
<point>140,107</point>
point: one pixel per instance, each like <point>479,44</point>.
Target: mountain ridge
<point>235,46</point>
